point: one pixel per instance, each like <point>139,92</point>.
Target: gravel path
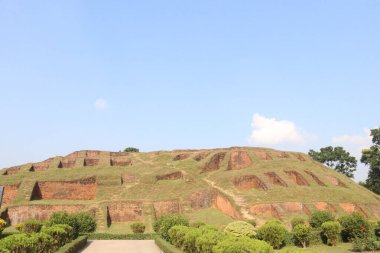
<point>121,246</point>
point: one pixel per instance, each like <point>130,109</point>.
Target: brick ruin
<point>336,181</point>
<point>200,156</point>
<point>171,176</point>
<point>316,179</point>
<point>124,212</point>
<point>166,207</point>
<point>325,206</point>
<point>296,177</point>
<point>275,179</point>
<point>128,179</point>
<point>181,157</point>
<point>239,160</point>
<point>90,162</point>
<point>278,210</point>
<point>41,166</point>
<point>214,162</point>
<point>120,161</point>
<point>9,193</point>
<point>248,182</point>
<point>262,155</point>
<point>68,161</point>
<point>12,170</point>
<point>81,189</point>
<point>352,207</point>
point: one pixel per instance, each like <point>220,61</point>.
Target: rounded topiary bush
<point>317,218</point>
<point>176,235</point>
<point>273,232</point>
<point>298,220</point>
<point>30,226</point>
<point>240,228</point>
<point>86,222</point>
<point>165,223</point>
<point>354,226</point>
<point>302,234</point>
<point>331,229</point>
<point>208,240</point>
<point>233,244</point>
<point>138,227</point>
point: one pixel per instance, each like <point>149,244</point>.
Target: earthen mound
<point>239,160</point>
<point>316,179</point>
<point>248,182</point>
<point>214,162</point>
<point>275,179</point>
<point>296,177</point>
<point>171,176</point>
<point>301,157</point>
<point>181,157</point>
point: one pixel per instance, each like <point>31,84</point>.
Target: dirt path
<point>121,246</point>
<point>238,200</point>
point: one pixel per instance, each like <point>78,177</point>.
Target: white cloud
<point>270,131</point>
<point>101,104</point>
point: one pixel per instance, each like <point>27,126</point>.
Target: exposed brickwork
<point>203,199</point>
<point>12,170</point>
<point>248,182</point>
<point>239,160</point>
<point>128,179</point>
<point>41,166</point>
<point>125,211</point>
<point>336,181</point>
<point>291,208</point>
<point>166,207</point>
<point>324,206</point>
<point>171,176</point>
<point>9,194</point>
<point>265,210</point>
<point>223,204</point>
<point>352,207</point>
<point>214,162</point>
<point>316,179</point>
<point>120,161</point>
<point>92,153</point>
<point>19,214</point>
<point>296,177</point>
<point>262,155</point>
<point>118,154</point>
<point>275,179</point>
<point>90,162</point>
<point>181,157</point>
<point>82,189</point>
<point>200,156</point>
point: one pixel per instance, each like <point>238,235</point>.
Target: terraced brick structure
<point>225,184</point>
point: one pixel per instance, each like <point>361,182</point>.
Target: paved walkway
<point>121,246</point>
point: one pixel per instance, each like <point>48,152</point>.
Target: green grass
<point>340,248</point>
<point>209,216</point>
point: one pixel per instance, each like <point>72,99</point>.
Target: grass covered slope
<point>217,184</point>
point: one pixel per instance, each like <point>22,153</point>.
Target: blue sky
<point>163,75</point>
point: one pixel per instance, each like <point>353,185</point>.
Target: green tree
<point>371,158</point>
<point>131,149</point>
<point>336,158</point>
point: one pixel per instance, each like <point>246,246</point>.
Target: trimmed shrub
<point>197,224</point>
<point>273,232</point>
<point>17,243</point>
<point>165,246</point>
<point>74,246</point>
<point>354,226</point>
<point>164,223</point>
<point>3,225</point>
<point>240,228</point>
<point>177,235</point>
<point>59,232</point>
<point>86,223</point>
<point>365,244</point>
<point>252,222</point>
<point>331,229</point>
<point>30,226</point>
<point>233,244</point>
<point>297,221</point>
<point>319,217</point>
<point>208,240</point>
<point>43,243</point>
<point>138,227</point>
<point>188,245</point>
<point>302,235</point>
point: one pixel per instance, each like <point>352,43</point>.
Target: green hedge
<point>74,246</point>
<point>165,246</point>
<point>104,236</point>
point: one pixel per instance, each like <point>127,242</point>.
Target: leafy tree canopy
<point>131,149</point>
<point>371,157</point>
<point>336,158</point>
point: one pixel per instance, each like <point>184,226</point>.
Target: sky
<point>160,75</point>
